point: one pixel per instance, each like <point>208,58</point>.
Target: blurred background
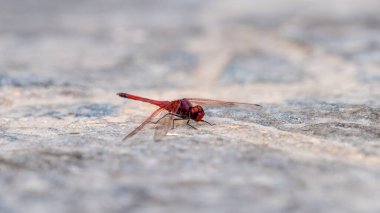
<point>279,50</point>
<point>313,65</point>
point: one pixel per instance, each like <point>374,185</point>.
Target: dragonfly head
<point>197,113</point>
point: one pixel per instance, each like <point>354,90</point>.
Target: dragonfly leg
<point>188,121</point>
<point>163,117</point>
<point>207,122</point>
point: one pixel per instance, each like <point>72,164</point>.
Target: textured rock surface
<point>313,65</point>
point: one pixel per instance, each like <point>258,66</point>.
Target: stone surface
<point>313,66</point>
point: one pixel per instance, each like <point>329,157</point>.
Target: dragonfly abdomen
<point>146,100</point>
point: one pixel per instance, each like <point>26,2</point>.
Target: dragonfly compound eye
<point>199,117</point>
<point>197,113</point>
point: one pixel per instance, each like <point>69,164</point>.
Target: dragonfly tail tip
<point>122,94</point>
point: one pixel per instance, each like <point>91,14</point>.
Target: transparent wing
<point>209,103</point>
<point>148,120</point>
<point>165,122</point>
<point>228,109</point>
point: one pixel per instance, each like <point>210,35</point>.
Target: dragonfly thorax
<point>196,113</point>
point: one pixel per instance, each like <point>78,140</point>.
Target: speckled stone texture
<point>314,66</point>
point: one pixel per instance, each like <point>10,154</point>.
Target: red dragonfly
<point>184,109</point>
